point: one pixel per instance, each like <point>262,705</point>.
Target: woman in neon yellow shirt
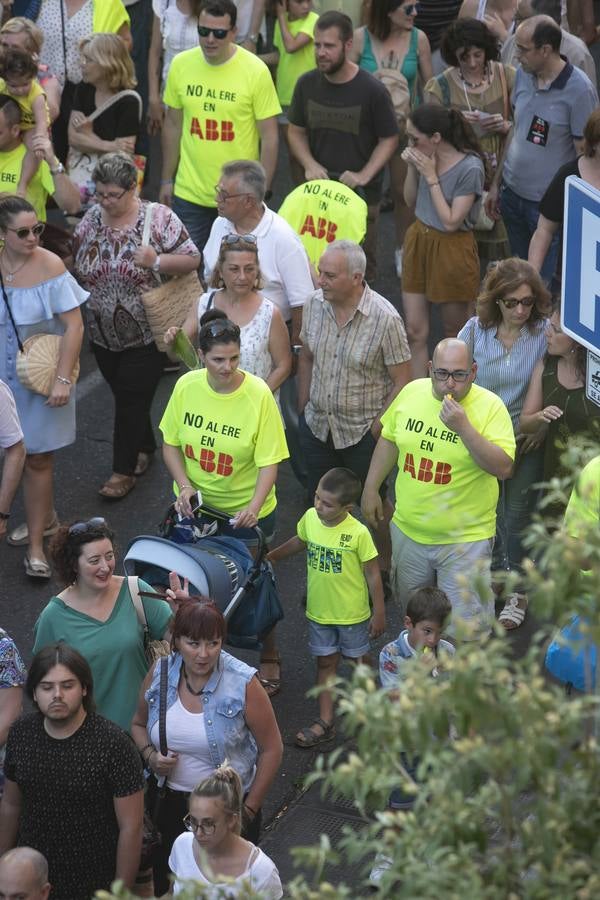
<point>223,435</point>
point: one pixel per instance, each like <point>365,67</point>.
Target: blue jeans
<point>515,507</point>
<point>521,218</point>
<point>197,219</point>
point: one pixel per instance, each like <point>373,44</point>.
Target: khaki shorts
<point>442,265</point>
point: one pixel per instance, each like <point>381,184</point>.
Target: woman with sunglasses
<point>212,848</point>
<point>216,714</point>
<point>391,40</point>
<point>112,263</point>
<point>223,436</point>
<point>507,338</point>
<point>38,296</point>
<point>265,343</point>
<point>95,614</point>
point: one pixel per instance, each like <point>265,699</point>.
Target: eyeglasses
<point>206,826</point>
<point>223,195</point>
<point>237,238</point>
<point>90,525</point>
<point>110,196</point>
<point>22,233</point>
<point>220,328</point>
<point>512,302</point>
<point>219,33</point>
<point>443,375</point>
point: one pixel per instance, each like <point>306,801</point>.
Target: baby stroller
<point>216,565</point>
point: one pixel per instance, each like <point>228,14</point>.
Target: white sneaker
<point>398,253</point>
<point>381,864</point>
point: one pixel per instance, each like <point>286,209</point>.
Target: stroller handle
<point>219,514</point>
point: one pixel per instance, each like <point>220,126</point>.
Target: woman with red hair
<point>216,710</point>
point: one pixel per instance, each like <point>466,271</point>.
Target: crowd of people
<point>465,118</point>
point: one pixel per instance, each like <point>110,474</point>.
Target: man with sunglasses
<point>452,441</point>
<point>221,105</point>
<point>50,179</point>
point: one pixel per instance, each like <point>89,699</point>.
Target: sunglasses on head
<point>90,525</point>
<point>220,328</point>
<point>238,238</point>
<point>409,10</point>
<point>219,33</point>
<point>22,233</point>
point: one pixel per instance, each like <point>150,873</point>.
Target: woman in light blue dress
<point>38,297</point>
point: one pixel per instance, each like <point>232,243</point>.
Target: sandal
<point>19,536</point>
<point>117,488</point>
<point>307,738</point>
<point>514,611</point>
<point>142,464</point>
<point>271,685</point>
<point>37,568</point>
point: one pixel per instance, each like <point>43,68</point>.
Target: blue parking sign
<point>580,308</point>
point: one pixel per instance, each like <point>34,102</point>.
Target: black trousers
<point>133,377</point>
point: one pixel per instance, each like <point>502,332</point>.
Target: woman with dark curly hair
<point>507,338</point>
<point>556,402</point>
<point>95,614</point>
<point>480,86</point>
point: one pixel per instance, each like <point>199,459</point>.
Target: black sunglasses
<point>219,33</point>
<point>220,328</point>
<point>90,525</point>
<point>237,238</point>
<point>22,233</point>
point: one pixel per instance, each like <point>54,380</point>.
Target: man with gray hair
<point>354,360</point>
<point>282,258</point>
<point>571,46</point>
<point>451,440</point>
<point>24,875</point>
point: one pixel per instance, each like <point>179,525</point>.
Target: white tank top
<point>186,735</point>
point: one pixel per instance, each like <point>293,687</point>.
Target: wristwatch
<point>156,264</point>
<point>253,38</point>
<point>59,170</point>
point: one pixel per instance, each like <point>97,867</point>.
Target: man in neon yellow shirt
<point>452,441</point>
<point>50,177</point>
<point>221,105</point>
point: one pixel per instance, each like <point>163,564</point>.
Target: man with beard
<point>342,121</point>
<point>74,782</point>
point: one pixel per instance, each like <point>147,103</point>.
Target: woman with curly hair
<point>507,338</point>
<point>95,614</point>
<point>480,86</point>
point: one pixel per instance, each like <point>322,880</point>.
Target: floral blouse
<point>12,669</point>
<point>104,266</point>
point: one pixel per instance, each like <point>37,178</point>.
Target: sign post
<point>580,306</point>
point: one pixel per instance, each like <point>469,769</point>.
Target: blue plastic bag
<point>571,658</point>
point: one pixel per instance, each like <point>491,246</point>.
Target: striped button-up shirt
<point>350,380</point>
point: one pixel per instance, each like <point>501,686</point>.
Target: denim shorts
<point>351,641</point>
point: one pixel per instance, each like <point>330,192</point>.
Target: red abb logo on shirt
<point>211,461</point>
<point>323,228</point>
<point>442,474</point>
<point>211,130</point>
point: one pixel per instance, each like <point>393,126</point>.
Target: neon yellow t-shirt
<point>323,211</point>
<point>25,103</point>
<point>292,65</point>
<point>225,438</point>
<point>583,509</point>
<point>38,188</point>
<point>442,495</point>
<point>221,106</point>
<point>109,16</point>
<point>337,591</point>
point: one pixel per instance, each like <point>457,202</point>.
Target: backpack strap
<point>134,592</point>
<point>162,705</point>
<point>444,88</point>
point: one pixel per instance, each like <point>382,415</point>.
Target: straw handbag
<point>169,303</point>
<point>37,359</point>
<point>37,363</point>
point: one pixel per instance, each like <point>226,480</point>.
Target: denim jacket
<point>224,703</point>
